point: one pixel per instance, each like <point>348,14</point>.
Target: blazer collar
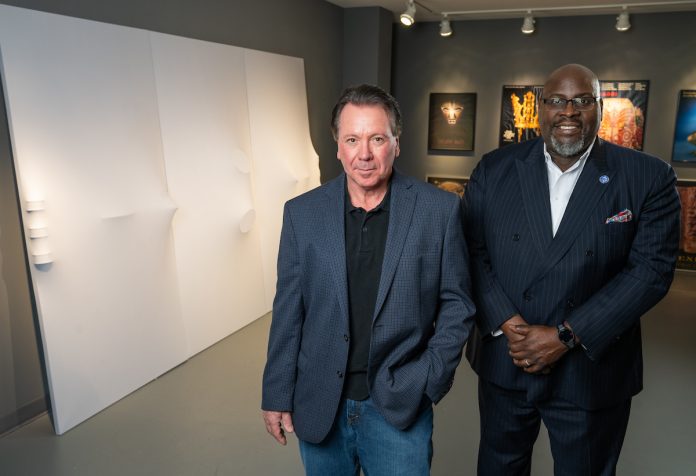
<point>401,205</point>
<point>334,236</point>
<point>534,186</point>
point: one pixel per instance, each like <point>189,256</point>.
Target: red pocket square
<point>622,217</point>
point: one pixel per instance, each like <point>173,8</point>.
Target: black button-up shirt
<point>366,236</point>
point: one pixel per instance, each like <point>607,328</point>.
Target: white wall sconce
<point>42,258</point>
<point>37,231</point>
<point>35,205</point>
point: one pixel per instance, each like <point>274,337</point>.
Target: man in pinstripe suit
<point>372,305</point>
<point>571,240</point>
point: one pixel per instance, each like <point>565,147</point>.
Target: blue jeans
<point>362,438</point>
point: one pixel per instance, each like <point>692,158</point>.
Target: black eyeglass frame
<point>578,104</point>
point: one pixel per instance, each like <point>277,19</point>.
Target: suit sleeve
<point>456,310</point>
<point>494,306</point>
<point>645,278</point>
<point>286,327</point>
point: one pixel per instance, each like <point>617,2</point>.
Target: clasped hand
<point>533,348</point>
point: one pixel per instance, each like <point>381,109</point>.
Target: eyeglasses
<point>582,103</point>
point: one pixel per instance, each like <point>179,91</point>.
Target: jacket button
<point>527,297</point>
<point>345,337</point>
<point>588,253</point>
<point>570,303</point>
<point>516,237</point>
<point>339,373</point>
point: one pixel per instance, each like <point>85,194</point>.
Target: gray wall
<point>367,46</point>
<point>22,389</point>
<point>482,56</point>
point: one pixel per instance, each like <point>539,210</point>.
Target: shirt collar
<point>384,204</point>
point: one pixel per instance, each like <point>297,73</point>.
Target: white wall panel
<point>85,132</point>
<point>161,165</point>
<point>202,98</point>
<point>285,163</point>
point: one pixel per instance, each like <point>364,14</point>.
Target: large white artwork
<point>285,163</point>
<point>152,191</point>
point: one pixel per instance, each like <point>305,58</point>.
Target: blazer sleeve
<point>494,306</point>
<point>643,281</point>
<point>286,326</point>
<point>456,310</point>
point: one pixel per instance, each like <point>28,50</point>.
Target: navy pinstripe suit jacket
<point>422,316</point>
<point>600,277</point>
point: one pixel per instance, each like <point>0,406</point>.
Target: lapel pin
<point>603,179</point>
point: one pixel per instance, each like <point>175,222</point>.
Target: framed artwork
<point>684,148</point>
<point>451,121</point>
<point>687,239</point>
<point>624,112</point>
<point>519,117</point>
<point>449,184</point>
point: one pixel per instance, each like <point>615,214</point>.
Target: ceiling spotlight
<point>445,28</point>
<point>528,23</point>
<point>408,18</point>
<point>623,23</point>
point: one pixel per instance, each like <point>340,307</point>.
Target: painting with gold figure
<point>625,105</point>
<point>449,184</point>
<point>684,149</point>
<point>519,118</point>
<point>452,121</point>
<point>687,240</point>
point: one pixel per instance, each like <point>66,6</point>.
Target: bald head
<point>577,72</point>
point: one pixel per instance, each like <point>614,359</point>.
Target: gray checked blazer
<point>422,316</point>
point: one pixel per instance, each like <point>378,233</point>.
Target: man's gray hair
<point>367,95</point>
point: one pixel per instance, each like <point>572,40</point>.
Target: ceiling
<point>431,10</point>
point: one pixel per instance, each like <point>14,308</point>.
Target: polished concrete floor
<point>203,417</point>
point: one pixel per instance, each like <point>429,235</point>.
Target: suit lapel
<point>583,201</point>
<point>335,239</point>
<point>402,204</point>
<point>535,196</point>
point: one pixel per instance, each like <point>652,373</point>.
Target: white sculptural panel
<point>201,90</point>
<point>285,163</point>
<point>152,172</point>
<point>85,133</point>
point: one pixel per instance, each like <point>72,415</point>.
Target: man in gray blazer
<point>571,239</point>
<point>372,305</point>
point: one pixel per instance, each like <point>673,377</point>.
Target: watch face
<point>566,335</point>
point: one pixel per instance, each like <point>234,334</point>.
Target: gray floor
<point>203,417</point>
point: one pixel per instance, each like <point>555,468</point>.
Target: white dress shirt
<point>562,184</point>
